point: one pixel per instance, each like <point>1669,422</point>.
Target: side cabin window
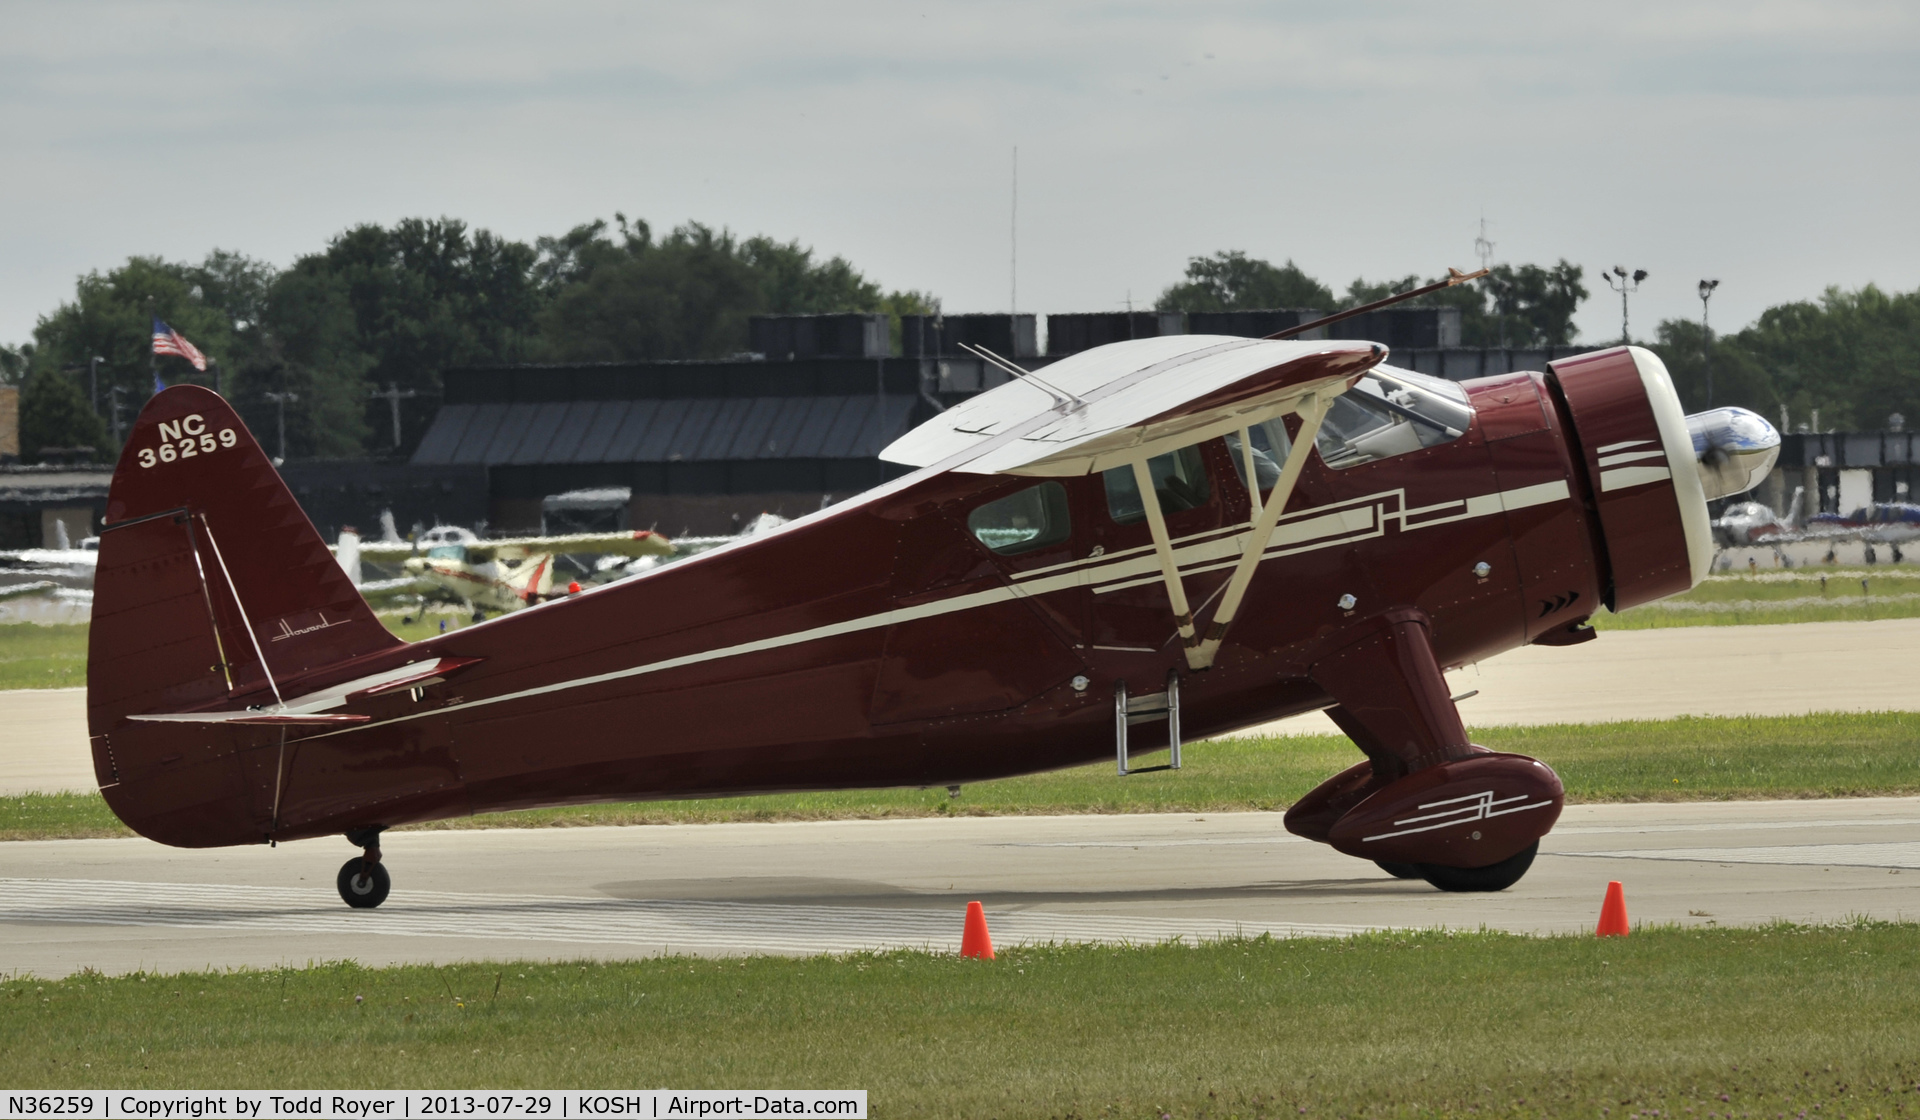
<point>1392,412</point>
<point>1179,480</point>
<point>1270,444</point>
<point>1033,518</point>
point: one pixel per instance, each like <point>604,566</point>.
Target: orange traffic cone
<point>1613,913</point>
<point>974,941</point>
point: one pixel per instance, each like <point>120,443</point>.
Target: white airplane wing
<point>1130,401</point>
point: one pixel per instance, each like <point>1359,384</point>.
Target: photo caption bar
<point>412,1104</point>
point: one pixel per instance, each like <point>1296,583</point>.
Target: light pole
<point>280,406</point>
<point>1627,283</point>
<point>393,396</point>
<point>1706,333</point>
<point>113,399</point>
<point>93,382</point>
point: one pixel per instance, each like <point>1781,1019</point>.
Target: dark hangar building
<point>701,447</point>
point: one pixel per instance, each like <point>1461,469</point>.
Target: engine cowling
<point>1648,468</point>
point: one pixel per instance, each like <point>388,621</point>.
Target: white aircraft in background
<point>1753,524</point>
<point>49,585</point>
<point>496,575</point>
<point>1743,524</point>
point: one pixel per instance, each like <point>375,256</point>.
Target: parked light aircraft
<point>1888,523</point>
<point>48,585</point>
<point>498,575</point>
<point>1879,523</point>
<point>1754,523</point>
<point>1145,542</point>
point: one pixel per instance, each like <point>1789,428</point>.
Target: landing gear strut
<point>363,880</point>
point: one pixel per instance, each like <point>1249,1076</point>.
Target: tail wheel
<point>1399,870</point>
<point>1493,877</point>
<point>363,885</point>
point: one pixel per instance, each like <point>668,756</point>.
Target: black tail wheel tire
<point>1494,877</point>
<point>363,885</point>
<point>1399,870</point>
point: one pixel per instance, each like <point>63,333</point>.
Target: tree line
<point>1847,360</point>
<point>384,310</point>
<point>1517,305</point>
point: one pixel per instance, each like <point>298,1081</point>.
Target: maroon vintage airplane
<point>1165,538</point>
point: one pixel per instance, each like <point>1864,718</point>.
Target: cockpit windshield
<point>1391,412</point>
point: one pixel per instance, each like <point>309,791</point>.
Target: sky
<point>1773,146</point>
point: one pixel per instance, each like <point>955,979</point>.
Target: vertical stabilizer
<point>213,591</point>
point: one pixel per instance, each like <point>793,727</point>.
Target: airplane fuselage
<point>881,642</point>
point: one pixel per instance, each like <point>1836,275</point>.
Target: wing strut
<point>1163,548</point>
<point>1253,479</point>
<point>1312,411</point>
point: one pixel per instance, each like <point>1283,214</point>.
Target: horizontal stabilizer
<point>249,718</point>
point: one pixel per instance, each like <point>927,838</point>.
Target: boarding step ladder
<point>1147,708</point>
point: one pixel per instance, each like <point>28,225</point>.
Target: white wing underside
<point>1132,401</point>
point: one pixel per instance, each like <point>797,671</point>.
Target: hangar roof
<point>700,429</point>
<point>674,412</point>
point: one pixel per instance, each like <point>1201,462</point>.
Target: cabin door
<point>978,629</point>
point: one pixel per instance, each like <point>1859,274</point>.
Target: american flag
<point>166,340</point>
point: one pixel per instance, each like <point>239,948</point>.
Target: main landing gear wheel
<point>363,885</point>
<point>362,881</point>
<point>1493,877</point>
<point>1399,870</point>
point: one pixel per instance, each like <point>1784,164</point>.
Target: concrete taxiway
<point>120,905</point>
<point>1626,674</point>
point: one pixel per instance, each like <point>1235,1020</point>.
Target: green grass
<point>34,656</point>
<point>1700,1023</point>
<point>426,625</point>
<point>1691,759</point>
<point>1811,594</point>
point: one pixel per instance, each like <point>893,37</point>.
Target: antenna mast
<point>1013,240</point>
<point>1483,248</point>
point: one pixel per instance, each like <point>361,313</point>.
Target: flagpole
<point>153,359</point>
